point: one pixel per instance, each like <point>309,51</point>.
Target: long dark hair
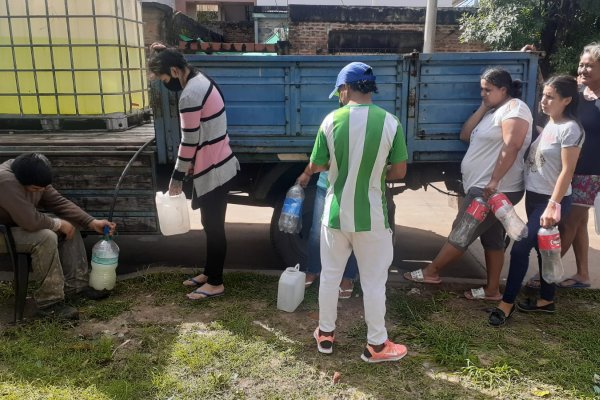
<point>163,59</point>
<point>566,86</point>
<point>502,79</point>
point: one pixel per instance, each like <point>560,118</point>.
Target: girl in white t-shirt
<point>498,133</point>
<point>548,171</point>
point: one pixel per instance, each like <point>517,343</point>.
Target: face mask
<point>173,85</point>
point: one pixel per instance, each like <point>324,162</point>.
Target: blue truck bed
<point>275,104</point>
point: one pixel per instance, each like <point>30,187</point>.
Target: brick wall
<point>310,28</point>
<point>312,37</point>
<point>447,40</point>
<point>234,32</point>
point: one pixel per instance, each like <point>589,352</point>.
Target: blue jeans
<point>314,240</point>
<point>535,204</point>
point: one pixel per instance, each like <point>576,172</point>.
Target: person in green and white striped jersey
<point>361,145</point>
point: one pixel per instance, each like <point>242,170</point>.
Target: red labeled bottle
<point>504,211</point>
<point>463,233</point>
<point>550,248</point>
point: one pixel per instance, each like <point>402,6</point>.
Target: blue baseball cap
<point>353,72</point>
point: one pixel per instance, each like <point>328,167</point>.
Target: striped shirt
<point>358,141</point>
<point>204,139</point>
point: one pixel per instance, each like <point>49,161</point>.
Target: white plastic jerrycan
<point>290,292</point>
<point>172,212</point>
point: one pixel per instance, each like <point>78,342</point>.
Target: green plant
<point>559,28</point>
<point>492,377</point>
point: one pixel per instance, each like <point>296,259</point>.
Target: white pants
<point>374,252</point>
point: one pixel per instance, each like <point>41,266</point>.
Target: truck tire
<point>293,249</point>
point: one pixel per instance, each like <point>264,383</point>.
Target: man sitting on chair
<point>57,251</point>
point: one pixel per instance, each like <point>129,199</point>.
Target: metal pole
<point>256,38</point>
<point>430,23</point>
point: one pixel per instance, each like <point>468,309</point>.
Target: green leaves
<point>499,24</point>
<point>560,28</point>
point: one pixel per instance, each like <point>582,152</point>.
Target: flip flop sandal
<point>479,294</point>
<point>205,294</point>
<point>417,276</point>
<point>308,283</point>
<point>345,293</point>
<point>194,282</point>
<point>575,285</point>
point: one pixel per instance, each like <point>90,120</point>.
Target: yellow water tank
<point>71,57</point>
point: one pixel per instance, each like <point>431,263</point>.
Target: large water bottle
<point>549,245</point>
<point>105,258</point>
<point>462,234</point>
<point>503,209</point>
<point>290,291</point>
<point>290,220</point>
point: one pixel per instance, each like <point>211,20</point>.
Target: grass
<point>489,378</point>
<point>148,341</point>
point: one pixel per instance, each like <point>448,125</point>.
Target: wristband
<point>550,201</point>
<point>55,224</point>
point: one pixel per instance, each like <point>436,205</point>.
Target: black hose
<point>443,191</point>
<point>116,194</point>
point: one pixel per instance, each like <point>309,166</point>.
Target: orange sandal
<point>324,343</point>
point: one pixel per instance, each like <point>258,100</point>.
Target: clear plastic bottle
<point>290,220</point>
<point>105,258</point>
<point>550,247</point>
<point>462,234</point>
<point>503,209</point>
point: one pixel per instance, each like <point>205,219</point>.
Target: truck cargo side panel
<point>446,90</point>
<point>276,104</point>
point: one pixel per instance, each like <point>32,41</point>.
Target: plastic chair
<point>20,263</point>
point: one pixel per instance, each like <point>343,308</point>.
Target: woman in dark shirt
<point>586,181</point>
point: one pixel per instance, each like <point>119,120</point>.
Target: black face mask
<point>173,85</point>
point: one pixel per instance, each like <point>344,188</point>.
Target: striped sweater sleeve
<point>190,113</point>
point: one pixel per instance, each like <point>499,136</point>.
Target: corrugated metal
<point>275,104</point>
<point>447,91</point>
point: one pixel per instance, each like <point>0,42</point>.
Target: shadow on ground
<point>249,248</point>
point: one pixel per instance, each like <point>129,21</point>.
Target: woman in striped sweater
<point>205,154</point>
